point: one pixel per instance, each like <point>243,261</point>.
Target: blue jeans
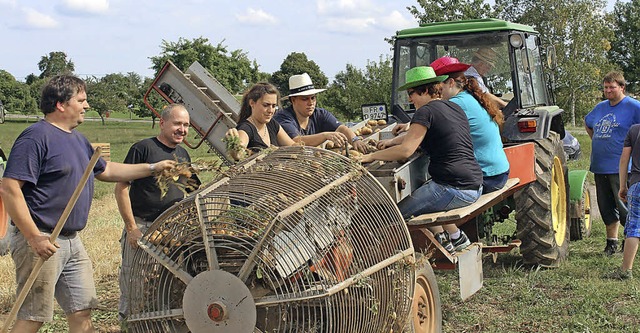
<point>434,197</point>
<point>494,183</point>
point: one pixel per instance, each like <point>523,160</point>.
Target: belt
<point>64,233</point>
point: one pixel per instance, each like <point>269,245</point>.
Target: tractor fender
<point>577,178</point>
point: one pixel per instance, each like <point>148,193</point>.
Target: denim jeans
<point>494,183</point>
<point>434,197</point>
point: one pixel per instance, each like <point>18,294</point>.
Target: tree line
<point>589,42</point>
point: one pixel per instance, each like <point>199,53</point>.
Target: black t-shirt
<point>448,143</point>
<point>255,141</point>
<point>144,193</point>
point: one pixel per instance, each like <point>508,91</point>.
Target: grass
<point>515,298</point>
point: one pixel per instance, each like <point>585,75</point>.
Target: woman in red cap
<point>484,117</point>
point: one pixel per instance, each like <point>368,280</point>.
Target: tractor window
<point>530,77</point>
<point>493,47</point>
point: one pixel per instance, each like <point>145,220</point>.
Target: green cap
<point>420,75</point>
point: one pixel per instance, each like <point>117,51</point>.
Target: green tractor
<point>549,202</point>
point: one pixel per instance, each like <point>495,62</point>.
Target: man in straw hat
<point>304,122</point>
<point>482,62</point>
<point>441,129</point>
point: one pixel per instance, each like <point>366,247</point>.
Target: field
<point>572,298</point>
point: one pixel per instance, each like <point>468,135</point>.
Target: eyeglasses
<point>410,92</point>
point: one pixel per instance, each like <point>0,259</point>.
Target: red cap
<point>446,65</point>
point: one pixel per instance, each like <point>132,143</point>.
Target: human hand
<point>42,246</point>
<point>360,146</point>
<point>623,194</point>
<point>368,158</point>
<point>383,144</point>
<point>162,165</point>
<point>338,138</point>
<point>232,132</point>
<point>133,236</point>
<point>399,128</point>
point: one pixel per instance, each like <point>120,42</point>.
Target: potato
<point>372,122</point>
<point>366,131</point>
<point>358,132</point>
<point>330,144</point>
<point>354,153</point>
<point>382,122</point>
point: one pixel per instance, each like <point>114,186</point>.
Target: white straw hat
<point>301,85</point>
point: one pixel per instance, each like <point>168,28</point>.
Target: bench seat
<point>455,215</point>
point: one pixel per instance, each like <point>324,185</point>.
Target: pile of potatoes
<point>372,126</point>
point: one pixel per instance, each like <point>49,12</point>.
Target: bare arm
<point>16,206</point>
<point>623,171</point>
<point>500,103</point>
<point>348,133</point>
<point>410,143</point>
<point>124,207</point>
<point>284,139</point>
<point>589,131</point>
<point>121,172</point>
<point>317,139</point>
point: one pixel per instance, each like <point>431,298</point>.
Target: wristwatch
<point>356,138</point>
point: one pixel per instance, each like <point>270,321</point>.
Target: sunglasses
<point>410,92</point>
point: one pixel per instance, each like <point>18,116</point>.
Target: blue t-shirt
<point>485,134</point>
<point>610,125</point>
<point>51,163</point>
<point>320,121</point>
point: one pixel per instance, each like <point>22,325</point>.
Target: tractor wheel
<point>426,310</point>
<point>541,207</point>
<point>581,225</point>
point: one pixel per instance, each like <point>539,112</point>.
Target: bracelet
<point>356,138</point>
<point>152,167</point>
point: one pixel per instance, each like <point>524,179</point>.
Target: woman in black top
<point>255,129</point>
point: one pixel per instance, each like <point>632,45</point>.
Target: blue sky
<point>119,36</point>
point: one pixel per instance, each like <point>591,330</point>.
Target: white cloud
<point>349,25</point>
<point>35,19</point>
<point>256,17</point>
<point>84,6</point>
<point>396,21</point>
<point>332,7</point>
<point>10,3</point>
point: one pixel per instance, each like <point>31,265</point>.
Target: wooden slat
<point>106,150</point>
<point>458,213</point>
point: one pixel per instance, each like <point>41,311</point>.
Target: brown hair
<point>434,89</point>
<point>471,85</point>
<point>615,76</point>
<point>254,94</point>
<point>60,89</point>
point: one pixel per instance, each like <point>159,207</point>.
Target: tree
<point>294,64</point>
<point>113,93</point>
<point>581,34</point>
<point>232,69</point>
<point>450,10</point>
<point>625,51</point>
<point>16,96</point>
<point>354,87</point>
<point>54,64</point>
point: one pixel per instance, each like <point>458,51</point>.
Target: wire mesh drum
<point>297,239</point>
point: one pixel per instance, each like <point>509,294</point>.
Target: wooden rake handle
<point>54,235</point>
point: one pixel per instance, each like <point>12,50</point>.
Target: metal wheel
<point>541,207</point>
<point>426,310</point>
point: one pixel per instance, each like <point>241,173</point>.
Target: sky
<point>119,36</point>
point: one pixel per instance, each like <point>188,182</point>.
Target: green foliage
<point>232,69</point>
<point>354,87</point>
<point>297,63</point>
<point>625,51</point>
<point>54,64</point>
<point>16,96</point>
<point>450,10</point>
<point>114,93</point>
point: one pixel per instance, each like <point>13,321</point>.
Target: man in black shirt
<point>141,202</point>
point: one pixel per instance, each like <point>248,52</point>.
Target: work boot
<point>619,274</point>
<point>461,242</point>
<point>443,239</point>
<point>612,247</point>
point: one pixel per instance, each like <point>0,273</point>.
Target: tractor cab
<point>512,70</point>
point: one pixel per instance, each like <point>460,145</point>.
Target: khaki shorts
<point>67,276</point>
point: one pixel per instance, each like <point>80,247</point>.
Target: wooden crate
<point>106,150</point>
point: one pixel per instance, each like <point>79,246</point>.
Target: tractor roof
<point>462,27</point>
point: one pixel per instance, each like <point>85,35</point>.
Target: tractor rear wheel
<point>541,207</point>
<point>426,310</point>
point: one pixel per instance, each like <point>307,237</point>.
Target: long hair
<point>60,89</point>
<point>254,94</point>
<point>470,84</point>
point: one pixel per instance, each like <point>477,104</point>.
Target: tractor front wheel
<point>541,207</point>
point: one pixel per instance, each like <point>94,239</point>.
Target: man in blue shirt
<point>306,123</point>
<point>607,125</point>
